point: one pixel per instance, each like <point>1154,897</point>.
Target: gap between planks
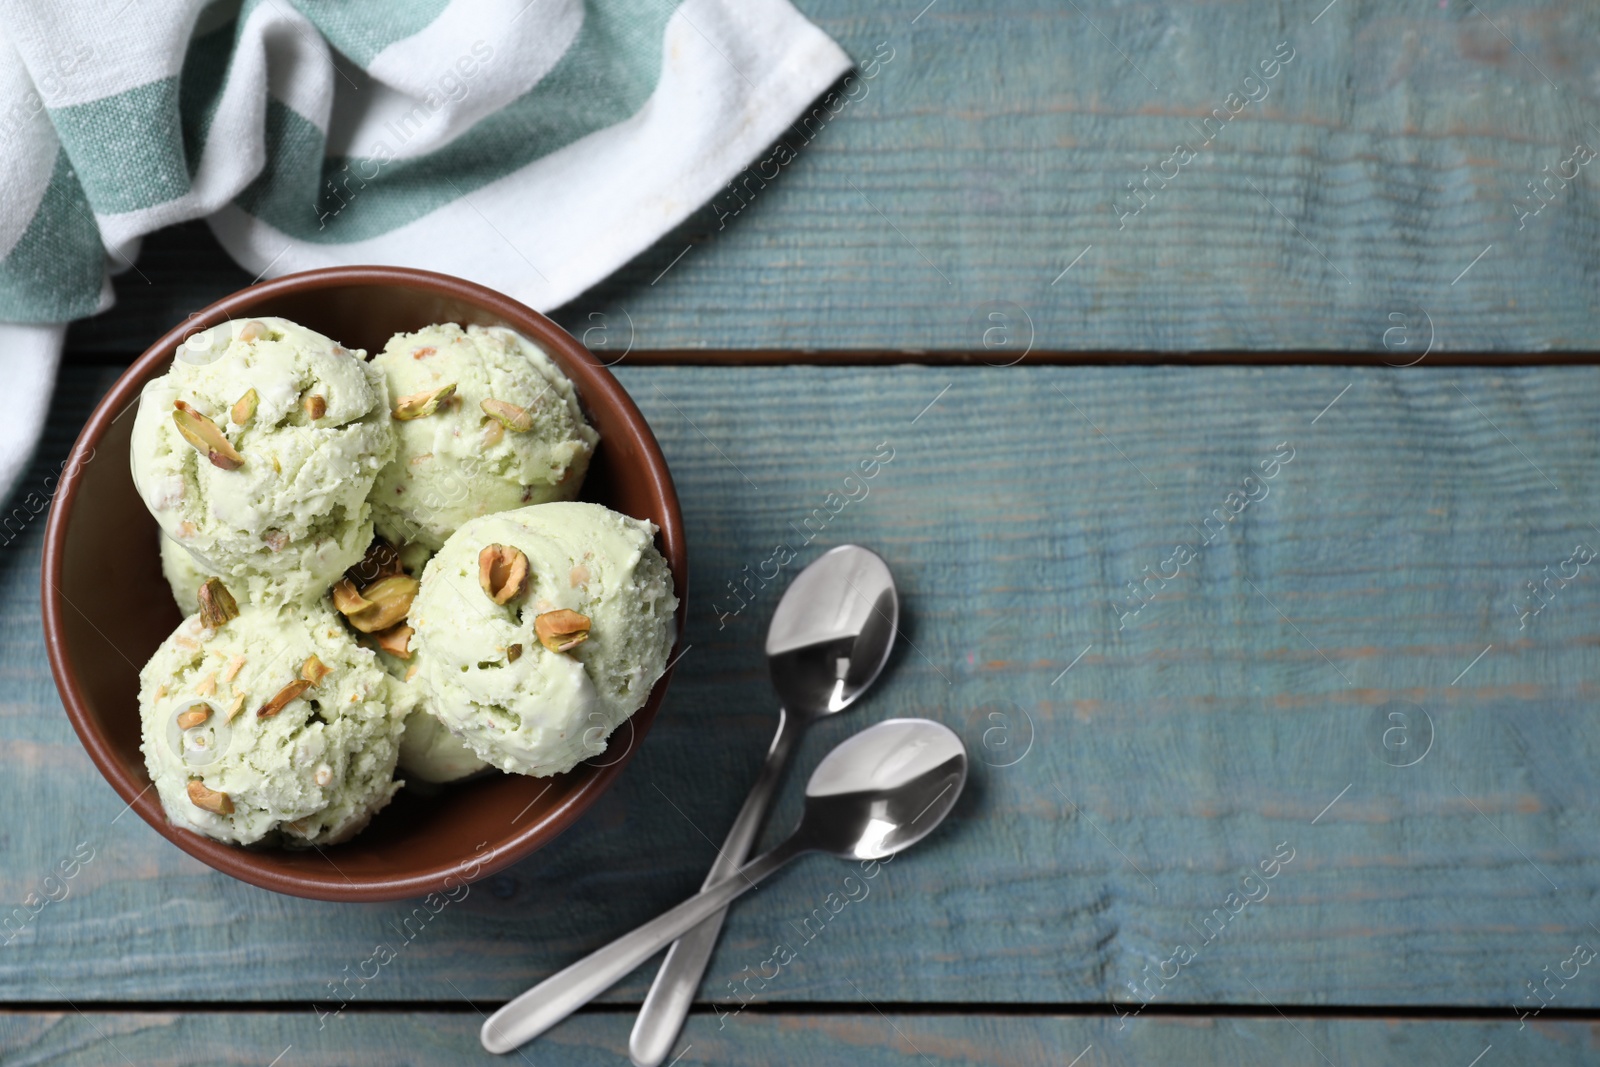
<point>1421,1012</point>
<point>777,357</point>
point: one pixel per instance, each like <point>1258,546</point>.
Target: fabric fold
<point>531,147</point>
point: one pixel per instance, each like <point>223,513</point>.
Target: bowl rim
<point>596,387</point>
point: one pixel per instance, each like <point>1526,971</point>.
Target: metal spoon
<point>829,639</point>
<point>880,791</point>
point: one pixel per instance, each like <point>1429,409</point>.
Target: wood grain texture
<point>1114,806</point>
<point>422,1039</point>
<point>993,147</point>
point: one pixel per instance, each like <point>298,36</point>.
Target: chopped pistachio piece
<point>421,405</point>
<point>561,630</point>
<point>509,415</point>
<point>502,571</point>
<point>217,605</point>
<point>206,437</point>
<point>244,409</point>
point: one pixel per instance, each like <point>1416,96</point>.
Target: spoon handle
<point>672,992</point>
<point>564,992</point>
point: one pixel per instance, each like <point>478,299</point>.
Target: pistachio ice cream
<point>429,752</point>
<point>269,724</point>
<point>485,423</point>
<point>374,598</point>
<point>256,452</point>
<point>540,630</point>
<point>183,574</point>
<point>316,661</point>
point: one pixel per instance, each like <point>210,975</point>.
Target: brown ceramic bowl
<point>107,607</point>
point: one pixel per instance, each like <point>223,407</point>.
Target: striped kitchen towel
<point>530,145</point>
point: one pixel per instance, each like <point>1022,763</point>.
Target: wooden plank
<point>421,1038</point>
<point>1245,706</point>
<point>1000,142</point>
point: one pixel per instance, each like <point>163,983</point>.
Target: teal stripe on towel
<point>127,147</point>
<point>54,271</point>
<point>362,31</point>
<point>605,77</point>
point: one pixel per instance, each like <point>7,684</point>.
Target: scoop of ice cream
<point>507,433</point>
<point>274,722</point>
<point>520,704</point>
<point>429,752</point>
<point>256,452</point>
<point>183,574</point>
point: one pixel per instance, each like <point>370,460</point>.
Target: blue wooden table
<point>1243,516</point>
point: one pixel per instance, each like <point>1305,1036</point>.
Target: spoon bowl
<point>884,789</point>
<point>832,632</point>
